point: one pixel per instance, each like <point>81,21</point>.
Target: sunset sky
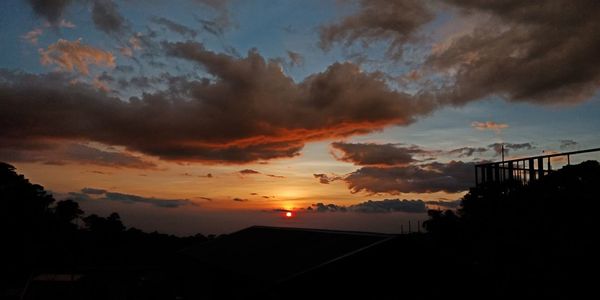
<point>210,116</point>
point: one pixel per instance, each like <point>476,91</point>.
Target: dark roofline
<point>363,233</point>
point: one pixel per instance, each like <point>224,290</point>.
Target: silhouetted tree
<point>38,235</point>
<point>537,238</point>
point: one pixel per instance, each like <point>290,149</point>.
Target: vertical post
<point>476,177</point>
<point>502,151</point>
<point>549,166</point>
<point>568,159</point>
<point>497,173</point>
<point>510,171</point>
<point>409,229</point>
<point>540,165</point>
<point>531,170</point>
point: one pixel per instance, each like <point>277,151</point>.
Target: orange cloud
<point>75,56</point>
<point>489,125</point>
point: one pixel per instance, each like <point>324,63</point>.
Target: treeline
<point>41,234</point>
<point>534,239</point>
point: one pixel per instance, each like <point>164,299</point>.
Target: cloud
<point>66,24</point>
<point>390,168</point>
<point>374,206</point>
<point>497,147</point>
<point>320,207</point>
<point>55,152</point>
<point>32,36</point>
<point>78,196</point>
<point>254,172</point>
<point>326,179</point>
<point>175,27</point>
<point>452,177</point>
<point>489,125</point>
<point>542,53</point>
<point>51,10</point>
<point>102,194</point>
<point>444,204</point>
<point>106,16</point>
<point>248,172</point>
<point>93,191</point>
<point>467,151</point>
<point>390,20</point>
<point>390,205</point>
<point>370,154</point>
<point>568,144</point>
<point>296,59</point>
<point>128,198</point>
<point>240,200</point>
<point>217,25</point>
<point>75,56</point>
<point>248,111</point>
<point>274,176</point>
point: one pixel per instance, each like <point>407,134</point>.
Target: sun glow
<point>289,214</point>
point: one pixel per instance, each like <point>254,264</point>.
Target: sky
<point>209,116</point>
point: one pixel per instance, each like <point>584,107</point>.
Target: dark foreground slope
<point>505,241</point>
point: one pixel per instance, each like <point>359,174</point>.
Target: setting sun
<point>289,214</point>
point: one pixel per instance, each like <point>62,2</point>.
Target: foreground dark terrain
<point>505,241</point>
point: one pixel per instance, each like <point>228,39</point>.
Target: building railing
<point>521,170</point>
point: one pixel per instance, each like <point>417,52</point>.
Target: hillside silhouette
<point>505,240</point>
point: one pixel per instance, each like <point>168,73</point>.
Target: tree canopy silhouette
<point>39,233</point>
<point>537,238</point>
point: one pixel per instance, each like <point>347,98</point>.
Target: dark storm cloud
<point>374,206</point>
<point>370,154</point>
<point>538,51</point>
<point>175,27</point>
<point>51,10</point>
<point>391,20</point>
<point>467,151</point>
<point>497,147</point>
<point>452,177</point>
<point>248,111</point>
<point>544,52</point>
<point>106,16</point>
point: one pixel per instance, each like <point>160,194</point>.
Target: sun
<point>289,214</point>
